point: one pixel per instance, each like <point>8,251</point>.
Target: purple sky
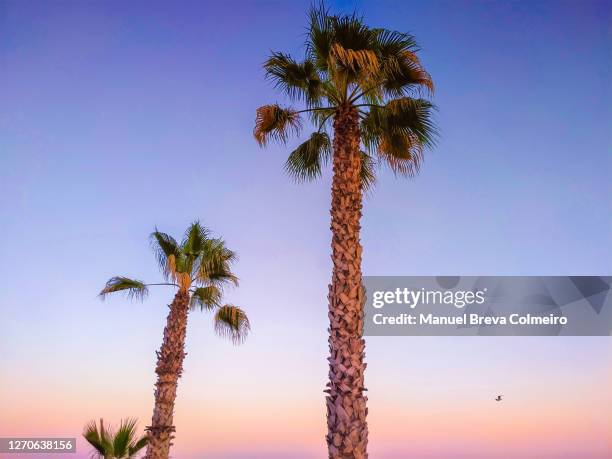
<point>116,117</point>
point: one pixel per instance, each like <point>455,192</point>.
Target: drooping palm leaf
<point>134,289</point>
<point>355,61</point>
<point>412,116</point>
<point>398,132</point>
<point>305,162</point>
<point>231,322</point>
<point>214,265</point>
<point>275,122</point>
<point>403,75</point>
<point>206,298</point>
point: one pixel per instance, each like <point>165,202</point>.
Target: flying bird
<point>499,398</point>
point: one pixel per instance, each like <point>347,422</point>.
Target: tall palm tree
<point>366,86</point>
<point>198,268</point>
<point>108,444</point>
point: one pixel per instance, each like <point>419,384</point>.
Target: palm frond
<point>275,122</point>
<point>214,264</point>
<point>99,438</point>
<point>305,162</point>
<point>355,60</point>
<point>368,171</point>
<point>137,446</point>
<point>320,36</point>
<point>389,43</point>
<point>401,75</point>
<point>322,117</point>
<point>415,116</point>
<point>351,32</point>
<point>206,298</point>
<point>402,153</point>
<point>191,248</point>
<point>231,322</point>
<point>300,81</point>
<point>134,289</point>
<point>168,253</point>
<point>124,437</point>
<point>401,70</point>
<point>399,132</point>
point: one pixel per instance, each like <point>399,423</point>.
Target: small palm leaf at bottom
<point>108,444</point>
<point>124,437</point>
<point>98,438</point>
<point>232,322</point>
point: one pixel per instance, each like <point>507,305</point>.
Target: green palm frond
<point>299,80</point>
<point>320,36</point>
<point>195,238</point>
<point>402,75</point>
<point>275,122</point>
<point>99,438</point>
<point>390,43</point>
<point>413,116</point>
<point>305,162</point>
<point>231,322</point>
<point>206,298</point>
<point>124,437</point>
<point>214,264</point>
<point>108,444</point>
<point>401,70</point>
<point>134,289</point>
<point>368,171</point>
<point>136,446</point>
<point>168,253</point>
<point>351,32</point>
<point>398,132</point>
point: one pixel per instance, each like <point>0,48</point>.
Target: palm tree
<point>122,444</point>
<point>198,268</point>
<point>366,86</point>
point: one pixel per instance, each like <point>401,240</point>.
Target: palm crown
<point>348,64</point>
<point>200,265</point>
<point>108,444</point>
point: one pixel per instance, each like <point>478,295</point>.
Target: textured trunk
<point>169,368</point>
<point>347,430</point>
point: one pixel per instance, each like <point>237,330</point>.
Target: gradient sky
<point>117,116</point>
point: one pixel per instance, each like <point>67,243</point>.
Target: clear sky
<point>117,116</point>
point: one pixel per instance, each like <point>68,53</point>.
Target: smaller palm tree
<point>198,268</point>
<point>108,444</point>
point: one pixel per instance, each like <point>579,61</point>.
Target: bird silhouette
<point>499,398</point>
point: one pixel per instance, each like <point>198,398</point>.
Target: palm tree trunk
<point>169,368</point>
<point>347,434</point>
